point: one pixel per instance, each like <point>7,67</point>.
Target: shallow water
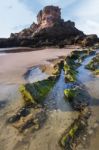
<point>60,116</point>
<point>56,96</point>
<point>60,113</point>
<point>35,74</point>
<point>3,49</point>
<point>92,85</point>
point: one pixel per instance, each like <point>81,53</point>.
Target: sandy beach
<point>60,114</point>
<point>14,65</point>
<point>12,68</point>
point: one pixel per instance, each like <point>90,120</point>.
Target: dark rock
<point>50,30</point>
<point>21,113</point>
<point>90,40</point>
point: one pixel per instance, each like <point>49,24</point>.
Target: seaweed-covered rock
<point>77,97</point>
<point>27,97</point>
<point>75,132</point>
<point>70,93</point>
<point>93,64</point>
<point>96,72</point>
<point>36,92</point>
<point>70,70</point>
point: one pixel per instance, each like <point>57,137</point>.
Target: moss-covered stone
<point>90,66</point>
<point>76,131</point>
<point>70,75</point>
<point>78,97</point>
<point>75,54</point>
<point>36,92</point>
<point>27,97</point>
<point>93,64</point>
<point>96,72</point>
<point>70,70</point>
<point>69,135</point>
<point>70,94</point>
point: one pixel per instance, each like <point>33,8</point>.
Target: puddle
<point>35,74</point>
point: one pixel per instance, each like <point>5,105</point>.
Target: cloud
<point>12,14</point>
<point>17,14</point>
<point>60,3</point>
<point>19,27</point>
<point>87,15</point>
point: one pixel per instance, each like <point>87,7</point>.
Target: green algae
<point>70,93</point>
<point>36,92</point>
<point>90,66</point>
<point>76,131</point>
<point>28,99</point>
<point>96,72</point>
<point>69,135</point>
<point>70,71</point>
<point>93,64</point>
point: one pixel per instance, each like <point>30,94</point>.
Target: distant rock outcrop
<point>50,30</point>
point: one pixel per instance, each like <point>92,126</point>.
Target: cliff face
<point>50,30</point>
<point>49,21</point>
<point>48,16</point>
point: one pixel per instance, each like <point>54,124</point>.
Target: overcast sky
<point>18,14</point>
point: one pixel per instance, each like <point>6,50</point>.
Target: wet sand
<point>60,113</point>
<point>14,65</point>
<point>12,68</point>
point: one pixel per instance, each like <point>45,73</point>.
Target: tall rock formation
<point>48,16</point>
<point>50,30</point>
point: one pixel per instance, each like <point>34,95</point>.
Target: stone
<point>95,125</point>
<point>48,16</point>
<point>37,126</point>
<point>90,132</point>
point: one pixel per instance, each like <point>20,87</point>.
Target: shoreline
<point>29,49</point>
<point>15,65</point>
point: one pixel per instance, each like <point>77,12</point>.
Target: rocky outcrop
<point>50,30</point>
<point>48,16</point>
<point>25,32</point>
<point>90,40</point>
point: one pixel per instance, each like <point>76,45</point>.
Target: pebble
<point>37,126</point>
<point>90,132</point>
<point>84,138</point>
<point>26,131</point>
<point>95,125</point>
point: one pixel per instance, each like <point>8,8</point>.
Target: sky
<point>16,15</point>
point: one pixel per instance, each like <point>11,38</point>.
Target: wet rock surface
<point>93,65</point>
<point>28,118</point>
<point>76,133</point>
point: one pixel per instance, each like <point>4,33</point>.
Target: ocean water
<point>2,49</point>
<point>2,54</point>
